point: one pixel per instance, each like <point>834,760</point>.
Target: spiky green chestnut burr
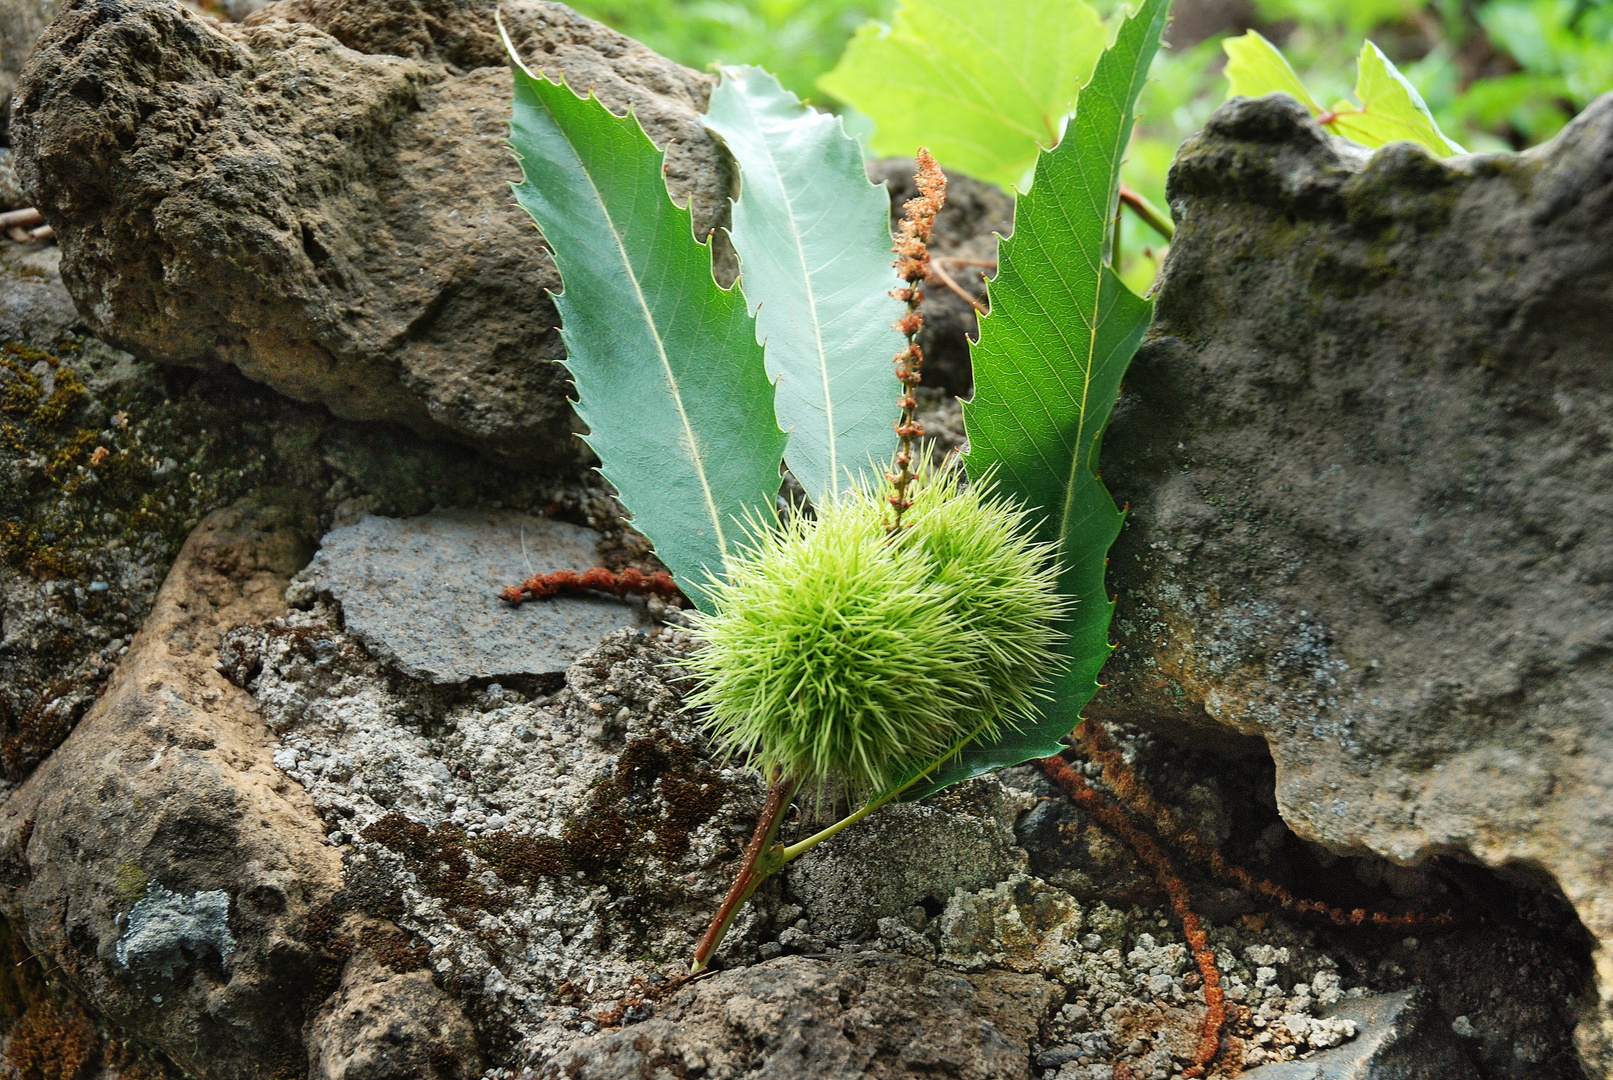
<point>837,649</point>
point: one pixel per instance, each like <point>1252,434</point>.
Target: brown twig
<point>946,279</point>
<point>1091,802</point>
<point>1150,214</point>
<point>1120,777</point>
<point>629,582</point>
<point>747,880</point>
<point>27,218</point>
<point>913,267</point>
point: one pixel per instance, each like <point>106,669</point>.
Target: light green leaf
<point>983,85</point>
<point>814,244</point>
<point>668,372</point>
<point>1061,331</point>
<point>1391,109</point>
<point>1255,67</point>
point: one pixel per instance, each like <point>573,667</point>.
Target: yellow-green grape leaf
<point>1255,67</point>
<point>668,372</point>
<point>814,243</point>
<point>982,85</point>
<point>1048,365</point>
<point>1391,110</point>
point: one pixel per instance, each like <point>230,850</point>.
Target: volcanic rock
<point>1399,1036</point>
<point>1366,449</point>
<point>174,877</point>
<point>423,593</point>
<point>320,197</point>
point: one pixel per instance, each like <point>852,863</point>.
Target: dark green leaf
<point>1047,370</point>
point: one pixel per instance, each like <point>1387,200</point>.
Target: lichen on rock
<point>168,930</point>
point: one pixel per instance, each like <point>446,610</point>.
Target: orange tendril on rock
<point>629,582</point>
<point>1094,740</point>
<point>913,267</point>
<point>1147,849</point>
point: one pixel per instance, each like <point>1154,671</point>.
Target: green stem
<point>796,850</point>
<point>764,858</point>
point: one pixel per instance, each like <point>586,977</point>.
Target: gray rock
<point>1366,452</point>
<point>1399,1036</point>
<point>423,593</point>
<point>845,1019</point>
<point>319,197</point>
<point>896,858</point>
<point>35,308</point>
<point>168,930</point>
<point>11,196</point>
<point>383,1025</point>
<point>189,443</point>
<point>21,23</point>
<point>169,778</point>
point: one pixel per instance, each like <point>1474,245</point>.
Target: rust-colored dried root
<point>629,582</point>
<point>1096,743</point>
<point>1112,817</point>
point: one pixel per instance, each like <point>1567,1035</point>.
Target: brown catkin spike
<point>1122,780</point>
<point>913,267</point>
<point>631,581</point>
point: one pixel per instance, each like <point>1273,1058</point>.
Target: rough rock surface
<point>555,852</point>
<point>506,876</point>
<point>86,538</point>
<point>558,851</point>
<point>319,197</point>
<point>931,851</point>
<point>1399,1037</point>
<point>11,196</point>
<point>35,309</point>
<point>170,872</point>
<point>21,23</point>
<point>423,593</point>
<point>382,1024</point>
<point>1368,457</point>
<point>863,1016</point>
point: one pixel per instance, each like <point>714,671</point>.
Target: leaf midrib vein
<point>817,323</point>
<point>660,349</point>
<point>1114,151</point>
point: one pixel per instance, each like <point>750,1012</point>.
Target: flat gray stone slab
<point>422,593</point>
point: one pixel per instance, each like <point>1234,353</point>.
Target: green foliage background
<point>797,40</point>
<point>1497,74</point>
